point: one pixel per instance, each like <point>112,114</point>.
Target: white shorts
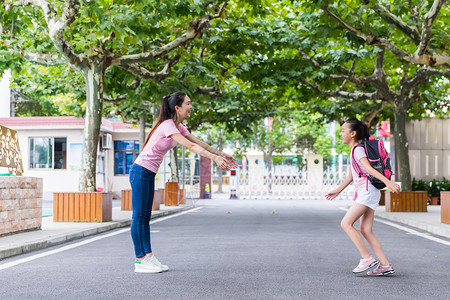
<point>369,197</point>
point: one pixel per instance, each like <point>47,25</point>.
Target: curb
<point>416,224</point>
<point>70,236</point>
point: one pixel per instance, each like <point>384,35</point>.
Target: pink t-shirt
<point>358,154</point>
<point>159,144</point>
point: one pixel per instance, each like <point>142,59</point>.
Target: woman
<point>367,198</point>
<point>165,134</point>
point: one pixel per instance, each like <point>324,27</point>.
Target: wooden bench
<point>181,191</point>
<point>445,207</point>
<point>125,200</point>
<point>82,207</point>
<point>171,194</point>
<point>174,195</point>
<point>406,201</point>
<point>126,203</point>
<point>383,197</point>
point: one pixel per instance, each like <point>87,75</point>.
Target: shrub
<point>433,188</point>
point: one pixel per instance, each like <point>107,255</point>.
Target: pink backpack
<point>378,158</point>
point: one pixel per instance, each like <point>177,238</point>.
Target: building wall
<point>64,180</point>
<point>429,148</point>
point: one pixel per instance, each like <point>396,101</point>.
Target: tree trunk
<point>268,161</point>
<point>93,119</point>
<point>155,112</point>
<point>174,165</point>
<point>401,148</point>
<point>219,170</point>
<point>141,132</point>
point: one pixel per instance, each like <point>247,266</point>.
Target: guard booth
<point>234,183</point>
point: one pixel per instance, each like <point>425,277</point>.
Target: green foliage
<point>251,54</point>
<point>99,28</point>
<point>57,90</point>
<point>419,185</point>
<point>43,107</point>
<point>433,187</point>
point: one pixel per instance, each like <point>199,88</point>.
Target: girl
<point>165,134</point>
<point>367,198</point>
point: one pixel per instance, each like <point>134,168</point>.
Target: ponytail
<point>167,111</point>
<point>362,131</point>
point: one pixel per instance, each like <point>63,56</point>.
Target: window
<point>48,153</point>
<point>60,153</point>
<point>125,152</point>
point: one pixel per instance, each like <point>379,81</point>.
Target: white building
<point>51,149</point>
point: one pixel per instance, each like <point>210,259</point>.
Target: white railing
<point>292,186</point>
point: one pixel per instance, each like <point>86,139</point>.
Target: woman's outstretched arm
<point>230,159</point>
<point>196,148</point>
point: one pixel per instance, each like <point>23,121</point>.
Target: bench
<point>415,201</point>
<point>445,207</point>
<point>82,207</point>
<point>126,203</point>
<point>174,195</point>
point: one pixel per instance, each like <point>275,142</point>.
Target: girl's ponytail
<point>362,131</point>
<point>366,133</point>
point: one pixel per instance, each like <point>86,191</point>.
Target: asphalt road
<point>235,249</point>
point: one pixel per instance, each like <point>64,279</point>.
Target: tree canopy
<point>241,61</point>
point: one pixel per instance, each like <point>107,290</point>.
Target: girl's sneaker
<point>157,262</point>
<point>147,265</point>
<point>365,265</point>
<point>382,270</point>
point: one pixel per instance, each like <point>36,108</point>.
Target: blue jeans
<point>143,188</point>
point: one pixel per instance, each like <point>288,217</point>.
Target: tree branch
<point>422,76</point>
<point>213,91</point>
<point>371,116</point>
<point>134,85</point>
<point>116,99</point>
<point>44,59</point>
<point>196,29</point>
<point>56,26</point>
<point>355,96</point>
<point>390,18</point>
<point>427,24</point>
<point>372,40</point>
<point>350,76</point>
<point>144,73</point>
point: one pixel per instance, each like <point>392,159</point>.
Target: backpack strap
<point>365,148</point>
<point>356,166</point>
<point>354,163</point>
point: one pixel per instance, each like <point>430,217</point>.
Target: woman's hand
<point>333,194</point>
<point>222,163</point>
<point>393,187</point>
<point>230,160</point>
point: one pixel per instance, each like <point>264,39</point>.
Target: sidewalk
<point>428,221</point>
<point>54,233</point>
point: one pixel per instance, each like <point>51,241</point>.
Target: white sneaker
<point>158,263</point>
<point>147,265</point>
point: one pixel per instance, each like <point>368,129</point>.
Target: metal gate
<point>300,185</point>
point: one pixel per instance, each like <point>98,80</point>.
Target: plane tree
<point>143,37</point>
<point>391,53</point>
<point>354,59</point>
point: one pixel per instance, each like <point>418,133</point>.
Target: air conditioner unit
<point>107,141</point>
